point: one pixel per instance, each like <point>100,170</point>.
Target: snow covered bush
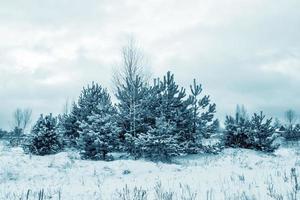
<point>16,132</point>
<point>255,133</point>
<point>44,138</point>
<point>16,137</point>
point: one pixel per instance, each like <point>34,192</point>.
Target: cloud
<point>242,51</point>
<point>287,66</point>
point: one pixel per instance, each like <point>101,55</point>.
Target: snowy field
<point>232,174</point>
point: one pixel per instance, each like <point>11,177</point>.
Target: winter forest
<point>151,132</point>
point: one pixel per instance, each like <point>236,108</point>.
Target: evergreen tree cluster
<point>290,129</point>
<point>155,121</point>
<point>161,121</point>
<point>255,133</point>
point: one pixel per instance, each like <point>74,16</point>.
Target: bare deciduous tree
<point>18,118</point>
<point>27,113</point>
<point>290,117</point>
<point>241,112</point>
<point>133,65</point>
<point>66,107</point>
<point>22,118</point>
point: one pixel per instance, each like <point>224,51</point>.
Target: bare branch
<point>291,117</point>
<point>22,118</point>
<point>133,65</point>
<point>18,118</point>
<point>27,113</point>
<point>66,107</point>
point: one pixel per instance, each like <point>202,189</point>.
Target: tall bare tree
<point>133,65</point>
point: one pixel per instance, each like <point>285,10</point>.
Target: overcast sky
<point>242,51</point>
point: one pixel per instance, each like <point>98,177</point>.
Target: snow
<point>232,174</point>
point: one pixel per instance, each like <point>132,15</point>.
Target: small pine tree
<point>89,99</point>
<point>160,143</point>
<point>68,127</point>
<point>277,124</point>
<point>17,132</point>
<point>237,131</point>
<point>99,132</point>
<point>174,108</point>
<point>44,138</point>
<point>262,133</point>
<point>291,132</point>
<point>291,128</point>
<point>131,111</point>
<point>99,137</point>
<point>203,123</point>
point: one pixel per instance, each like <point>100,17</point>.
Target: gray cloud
<point>242,51</point>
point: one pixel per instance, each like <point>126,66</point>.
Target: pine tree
<point>89,99</point>
<point>237,131</point>
<point>174,107</point>
<point>166,101</point>
<point>160,143</point>
<point>99,132</point>
<point>262,133</point>
<point>44,138</point>
<point>203,123</point>
<point>68,127</point>
<point>131,111</point>
<point>99,136</point>
<point>17,132</point>
<point>297,132</point>
<point>292,132</point>
<point>277,124</point>
<point>163,100</point>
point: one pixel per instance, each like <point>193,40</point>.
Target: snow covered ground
<point>232,174</point>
